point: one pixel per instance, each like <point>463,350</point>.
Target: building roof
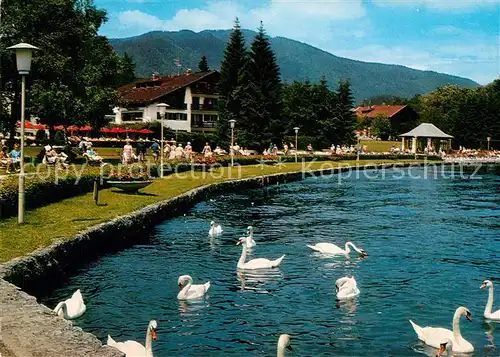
<point>148,90</point>
<point>374,110</point>
<point>427,130</point>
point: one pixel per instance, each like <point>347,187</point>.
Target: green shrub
<point>59,138</point>
<point>40,136</point>
<point>42,191</point>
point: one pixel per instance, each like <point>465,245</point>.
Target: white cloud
<point>439,5</point>
<point>342,28</point>
<point>139,20</point>
<point>303,21</point>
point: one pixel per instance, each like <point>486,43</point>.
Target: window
<point>209,118</point>
<point>176,116</point>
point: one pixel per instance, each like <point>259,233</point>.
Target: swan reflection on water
<point>426,350</point>
<point>188,308</point>
<point>348,305</point>
<point>257,278</point>
<point>490,327</point>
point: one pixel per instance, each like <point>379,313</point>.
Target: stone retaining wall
<point>31,329</point>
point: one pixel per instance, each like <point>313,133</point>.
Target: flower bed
<point>129,176</point>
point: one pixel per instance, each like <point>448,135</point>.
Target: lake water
<point>431,242</point>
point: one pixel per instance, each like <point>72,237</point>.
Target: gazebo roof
<point>427,130</point>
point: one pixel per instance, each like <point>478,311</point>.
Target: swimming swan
<point>434,336</point>
<point>190,291</point>
<point>489,305</point>
<point>71,308</point>
<point>135,349</point>
<point>284,344</point>
<point>250,243</point>
<point>214,229</point>
<point>259,263</point>
<point>347,288</point>
<point>329,248</point>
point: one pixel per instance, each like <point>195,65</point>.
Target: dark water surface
<point>431,242</point>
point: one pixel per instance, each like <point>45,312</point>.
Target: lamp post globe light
<point>24,53</point>
<point>232,122</point>
<point>162,108</point>
<point>296,147</point>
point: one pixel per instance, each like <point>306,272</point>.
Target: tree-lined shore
<point>76,72</point>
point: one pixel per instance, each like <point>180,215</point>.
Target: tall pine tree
<point>203,65</point>
<point>127,70</point>
<point>323,101</point>
<point>229,105</point>
<point>261,90</point>
<point>344,115</point>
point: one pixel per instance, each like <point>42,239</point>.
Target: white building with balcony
<point>192,100</point>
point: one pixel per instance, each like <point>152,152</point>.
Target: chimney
<point>156,76</point>
<point>188,71</point>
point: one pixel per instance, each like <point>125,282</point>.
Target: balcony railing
<point>203,107</point>
<point>204,124</point>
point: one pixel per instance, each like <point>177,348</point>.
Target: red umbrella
<point>106,130</point>
<point>145,131</point>
<point>86,128</point>
<point>59,127</point>
<point>117,130</point>
<point>30,125</point>
<point>72,128</point>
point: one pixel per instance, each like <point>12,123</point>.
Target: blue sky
<point>460,37</point>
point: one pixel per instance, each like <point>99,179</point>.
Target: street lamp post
<point>24,53</point>
<point>296,147</point>
<point>489,140</point>
<point>162,107</point>
<point>232,121</point>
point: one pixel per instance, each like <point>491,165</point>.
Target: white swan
<point>329,248</point>
<point>259,263</point>
<point>347,288</point>
<point>190,291</point>
<point>284,344</point>
<point>135,349</point>
<point>71,308</point>
<point>434,336</point>
<point>489,305</point>
<point>214,229</point>
<point>250,243</point>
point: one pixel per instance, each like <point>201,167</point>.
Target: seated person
<point>219,151</point>
<point>15,159</point>
<point>92,155</point>
<point>51,155</point>
<point>4,156</point>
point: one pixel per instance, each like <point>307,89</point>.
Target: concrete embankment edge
<point>30,329</point>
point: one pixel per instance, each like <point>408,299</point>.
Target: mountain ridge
<point>155,51</point>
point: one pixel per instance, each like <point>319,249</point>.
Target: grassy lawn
<point>379,146</point>
<point>66,218</point>
<point>105,153</point>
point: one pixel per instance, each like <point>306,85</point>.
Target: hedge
<point>40,191</point>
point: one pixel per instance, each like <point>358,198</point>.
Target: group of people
<point>171,150</point>
<point>52,157</point>
<point>11,160</point>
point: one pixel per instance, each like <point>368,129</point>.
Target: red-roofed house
<point>192,100</point>
<point>402,117</point>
